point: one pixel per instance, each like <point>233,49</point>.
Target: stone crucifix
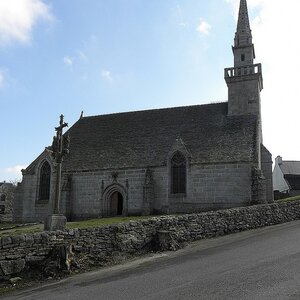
<point>60,147</point>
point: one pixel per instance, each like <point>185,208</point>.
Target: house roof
<point>290,167</point>
<point>145,138</point>
<point>5,184</point>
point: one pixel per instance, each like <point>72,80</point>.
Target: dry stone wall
<point>99,246</point>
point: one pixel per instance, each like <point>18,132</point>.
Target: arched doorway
<point>116,204</point>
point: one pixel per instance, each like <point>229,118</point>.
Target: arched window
<point>3,198</point>
<point>178,174</point>
<point>45,176</point>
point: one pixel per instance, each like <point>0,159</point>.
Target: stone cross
<point>60,148</point>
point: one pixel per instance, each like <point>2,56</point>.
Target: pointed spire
<point>243,48</point>
<point>243,34</point>
<point>243,22</point>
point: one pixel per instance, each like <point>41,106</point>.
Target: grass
<point>70,225</point>
<point>290,199</point>
<point>7,225</point>
<point>22,230</point>
<point>102,222</point>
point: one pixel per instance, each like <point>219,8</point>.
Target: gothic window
<point>243,57</point>
<point>45,176</point>
<point>3,198</point>
<point>178,174</point>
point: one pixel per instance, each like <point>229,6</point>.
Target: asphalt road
<point>258,264</point>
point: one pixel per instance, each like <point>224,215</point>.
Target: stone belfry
<point>244,80</point>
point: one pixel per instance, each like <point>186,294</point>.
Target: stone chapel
<point>162,161</point>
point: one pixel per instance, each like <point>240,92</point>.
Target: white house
<point>286,176</point>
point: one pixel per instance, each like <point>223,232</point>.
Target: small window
<point>45,176</point>
<point>243,57</point>
<point>3,198</point>
<point>178,174</point>
<point>2,209</point>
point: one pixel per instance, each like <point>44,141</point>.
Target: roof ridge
<point>155,109</point>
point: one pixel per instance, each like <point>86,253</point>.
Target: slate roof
<point>290,167</point>
<point>145,138</point>
<point>3,184</point>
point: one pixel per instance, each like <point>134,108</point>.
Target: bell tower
<point>244,80</point>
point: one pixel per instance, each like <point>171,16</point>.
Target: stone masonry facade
<point>7,194</point>
<point>85,196</point>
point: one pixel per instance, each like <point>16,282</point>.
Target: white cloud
<point>235,6</point>
<point>68,61</point>
<point>105,74</point>
<point>18,17</point>
<point>15,170</point>
<point>275,31</point>
<point>204,28</point>
<point>79,55</point>
<point>82,55</point>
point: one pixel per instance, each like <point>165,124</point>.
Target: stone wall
<point>7,193</point>
<point>97,246</point>
<point>266,166</point>
<point>86,194</point>
<point>218,186</point>
<point>27,207</point>
<point>208,187</point>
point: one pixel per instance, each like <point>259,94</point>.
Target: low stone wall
<point>98,246</point>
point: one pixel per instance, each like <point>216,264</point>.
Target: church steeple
<point>244,80</point>
<point>243,27</point>
<point>243,48</point>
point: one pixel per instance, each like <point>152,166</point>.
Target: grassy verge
<point>7,225</point>
<point>22,230</point>
<point>290,199</point>
<point>102,222</point>
<point>70,225</point>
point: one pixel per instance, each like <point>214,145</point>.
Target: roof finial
<point>81,115</point>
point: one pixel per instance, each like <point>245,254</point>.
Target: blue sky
<point>104,56</point>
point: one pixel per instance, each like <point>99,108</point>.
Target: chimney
<point>278,160</point>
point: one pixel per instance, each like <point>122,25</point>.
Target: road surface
<point>258,264</point>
